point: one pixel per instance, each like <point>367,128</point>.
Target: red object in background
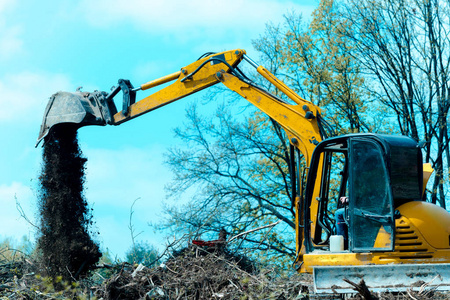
<point>207,243</point>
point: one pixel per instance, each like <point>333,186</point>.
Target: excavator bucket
<point>77,109</point>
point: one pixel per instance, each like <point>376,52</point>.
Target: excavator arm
<point>301,119</point>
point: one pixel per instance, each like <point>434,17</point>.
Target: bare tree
<point>239,170</point>
<point>316,60</point>
<point>403,46</point>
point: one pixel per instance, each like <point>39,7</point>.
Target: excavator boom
<point>84,109</point>
<point>300,119</point>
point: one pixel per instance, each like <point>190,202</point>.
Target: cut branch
<point>253,230</point>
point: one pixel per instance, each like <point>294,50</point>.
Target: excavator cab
<point>382,176</point>
<point>378,173</point>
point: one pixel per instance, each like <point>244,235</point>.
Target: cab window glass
<point>370,178</point>
<point>370,200</point>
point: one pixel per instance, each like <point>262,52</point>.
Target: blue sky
<point>48,46</point>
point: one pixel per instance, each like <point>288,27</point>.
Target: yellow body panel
<point>431,221</point>
<point>324,258</point>
<point>421,236</point>
<point>427,171</point>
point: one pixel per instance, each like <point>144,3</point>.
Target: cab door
<point>371,215</point>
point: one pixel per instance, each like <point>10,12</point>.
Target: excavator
<point>395,240</point>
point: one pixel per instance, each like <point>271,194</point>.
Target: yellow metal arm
<point>191,79</point>
<point>160,81</point>
<point>300,120</point>
<point>303,131</point>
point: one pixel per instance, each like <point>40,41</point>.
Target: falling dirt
<point>64,240</point>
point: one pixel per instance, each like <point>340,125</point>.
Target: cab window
<point>333,186</point>
<point>370,207</point>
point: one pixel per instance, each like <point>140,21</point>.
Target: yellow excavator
<point>394,240</point>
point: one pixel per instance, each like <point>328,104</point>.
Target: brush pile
<point>198,273</point>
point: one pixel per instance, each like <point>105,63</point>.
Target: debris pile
<point>196,273</point>
<point>64,239</point>
<point>19,280</point>
<point>10,271</point>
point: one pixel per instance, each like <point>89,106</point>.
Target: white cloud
<point>11,223</point>
<point>187,18</point>
<point>4,4</point>
<point>25,95</point>
<point>10,41</point>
